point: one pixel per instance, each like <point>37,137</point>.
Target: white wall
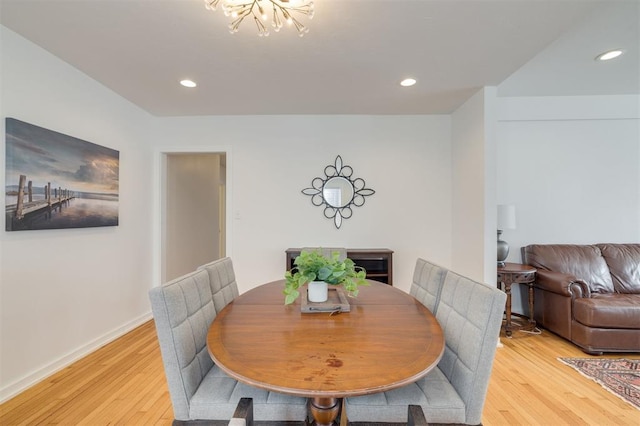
<point>571,166</point>
<point>473,187</point>
<point>65,292</point>
<point>405,159</point>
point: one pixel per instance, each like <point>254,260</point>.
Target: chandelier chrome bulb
<point>281,11</point>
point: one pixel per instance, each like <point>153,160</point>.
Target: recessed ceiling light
<point>408,82</point>
<point>611,54</point>
<point>188,83</point>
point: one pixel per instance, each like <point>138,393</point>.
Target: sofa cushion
<point>608,310</point>
<point>584,262</point>
<point>624,264</point>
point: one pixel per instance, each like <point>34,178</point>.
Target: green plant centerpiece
<point>314,266</point>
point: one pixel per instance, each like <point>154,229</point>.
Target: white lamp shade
<point>506,216</point>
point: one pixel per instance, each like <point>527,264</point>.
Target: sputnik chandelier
<point>280,11</point>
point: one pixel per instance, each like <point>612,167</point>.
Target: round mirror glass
<point>337,192</point>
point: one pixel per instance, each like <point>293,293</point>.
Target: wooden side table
<point>516,273</point>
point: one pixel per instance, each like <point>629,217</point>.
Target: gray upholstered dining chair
<point>183,310</point>
<point>427,283</point>
<point>470,314</point>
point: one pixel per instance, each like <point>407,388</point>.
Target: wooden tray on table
<point>336,302</point>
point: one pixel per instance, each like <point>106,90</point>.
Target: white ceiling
<point>351,61</point>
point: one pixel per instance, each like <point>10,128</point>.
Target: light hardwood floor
<point>123,383</point>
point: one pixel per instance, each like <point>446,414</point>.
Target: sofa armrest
<point>563,284</point>
<point>579,289</point>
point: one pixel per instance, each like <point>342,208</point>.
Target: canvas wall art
<point>55,181</point>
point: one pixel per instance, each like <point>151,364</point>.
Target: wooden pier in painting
<point>22,207</point>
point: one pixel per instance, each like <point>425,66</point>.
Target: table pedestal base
<point>324,411</point>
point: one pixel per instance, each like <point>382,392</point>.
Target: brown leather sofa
<point>588,294</point>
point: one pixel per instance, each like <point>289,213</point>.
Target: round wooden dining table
<point>388,339</point>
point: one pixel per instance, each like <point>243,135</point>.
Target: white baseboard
<point>12,389</point>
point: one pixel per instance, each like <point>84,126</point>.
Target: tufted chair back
<point>183,310</point>
<point>470,315</point>
<point>427,283</point>
<point>223,282</point>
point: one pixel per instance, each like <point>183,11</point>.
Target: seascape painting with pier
<point>55,181</point>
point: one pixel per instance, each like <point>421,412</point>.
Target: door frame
<point>159,198</point>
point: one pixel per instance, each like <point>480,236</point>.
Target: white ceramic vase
<point>318,291</point>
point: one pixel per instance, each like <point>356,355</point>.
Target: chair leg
<point>344,421</point>
<point>416,416</point>
<point>243,416</point>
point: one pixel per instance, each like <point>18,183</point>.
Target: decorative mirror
<point>338,192</point>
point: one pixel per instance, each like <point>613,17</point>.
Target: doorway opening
<point>193,211</point>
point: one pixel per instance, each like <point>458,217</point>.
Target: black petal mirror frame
<point>331,197</point>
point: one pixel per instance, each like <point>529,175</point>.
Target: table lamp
<point>506,220</point>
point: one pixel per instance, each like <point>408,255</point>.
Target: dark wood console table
<point>377,262</point>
